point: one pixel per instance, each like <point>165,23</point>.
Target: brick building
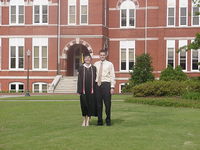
<point>59,32</point>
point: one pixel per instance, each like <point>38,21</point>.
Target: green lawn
<point>60,97</point>
<point>56,126</point>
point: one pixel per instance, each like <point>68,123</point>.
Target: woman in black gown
<point>86,85</point>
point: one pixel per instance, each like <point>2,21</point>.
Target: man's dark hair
<point>87,55</point>
<point>103,51</point>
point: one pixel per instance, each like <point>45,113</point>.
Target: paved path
<point>72,100</point>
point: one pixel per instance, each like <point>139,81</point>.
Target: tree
<point>142,70</point>
<point>195,45</point>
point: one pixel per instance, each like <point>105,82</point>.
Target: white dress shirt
<point>108,72</point>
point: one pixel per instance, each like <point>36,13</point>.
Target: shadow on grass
<point>113,121</point>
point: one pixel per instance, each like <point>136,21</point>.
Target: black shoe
<point>99,123</point>
<point>108,122</point>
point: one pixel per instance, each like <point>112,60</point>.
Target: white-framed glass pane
<point>123,17</point>
<point>195,57</point>
<point>44,57</point>
<point>195,16</point>
<point>21,14</point>
<point>44,14</point>
<point>36,14</point>
<point>44,88</point>
<point>183,60</point>
<point>21,57</point>
<point>183,16</point>
<point>131,58</point>
<point>123,59</point>
<point>12,57</point>
<point>20,88</point>
<point>13,14</point>
<point>72,14</point>
<point>13,88</point>
<point>36,57</point>
<point>171,18</point>
<point>36,88</point>
<point>131,17</point>
<point>171,56</point>
<point>84,14</point>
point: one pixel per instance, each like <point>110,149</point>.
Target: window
<point>16,12</point>
<point>40,87</point>
<point>40,53</point>
<point>121,87</point>
<point>195,16</point>
<point>183,55</point>
<point>0,14</point>
<point>72,12</point>
<point>183,12</point>
<point>127,55</point>
<point>16,53</point>
<point>171,5</point>
<point>195,60</point>
<point>171,53</point>
<point>127,14</point>
<point>83,11</point>
<point>40,11</point>
<point>16,87</point>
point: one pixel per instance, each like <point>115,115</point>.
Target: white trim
<point>16,85</point>
<point>126,45</point>
<point>40,86</point>
<point>168,17</point>
<point>72,3</point>
<point>193,6</point>
<point>25,77</point>
<point>179,38</point>
<point>84,3</point>
<point>198,60</point>
<point>181,44</point>
<point>40,14</point>
<point>185,16</point>
<point>128,5</point>
<point>0,55</point>
<point>17,15</point>
<point>120,88</point>
<point>40,42</point>
<point>16,42</point>
<point>170,44</point>
<point>132,39</point>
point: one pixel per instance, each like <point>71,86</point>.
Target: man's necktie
<point>100,74</point>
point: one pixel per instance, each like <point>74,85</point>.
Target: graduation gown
<point>86,89</point>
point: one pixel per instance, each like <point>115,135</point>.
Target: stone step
<point>67,85</point>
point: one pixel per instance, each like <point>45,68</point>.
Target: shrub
<point>191,95</point>
<point>159,88</point>
<point>142,71</point>
<point>165,88</point>
<point>170,74</point>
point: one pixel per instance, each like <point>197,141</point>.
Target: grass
<point>59,97</point>
<point>56,126</point>
<point>165,101</point>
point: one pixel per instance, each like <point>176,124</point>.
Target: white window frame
<point>83,3</point>
<point>120,88</point>
<point>16,42</point>
<point>193,5</point>
<point>181,44</point>
<point>183,4</point>
<point>171,4</point>
<point>128,5</point>
<point>40,4</point>
<point>0,54</point>
<point>170,44</point>
<point>126,45</point>
<point>40,87</point>
<point>40,42</point>
<point>198,60</point>
<point>17,4</point>
<point>17,86</point>
<point>0,14</point>
<point>72,3</point>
